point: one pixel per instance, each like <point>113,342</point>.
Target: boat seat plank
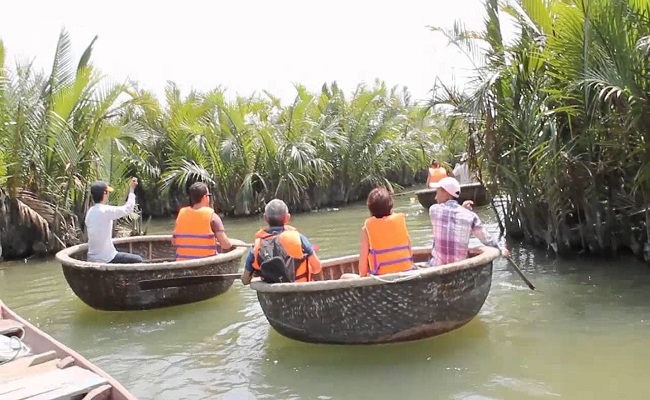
<point>28,361</point>
<point>100,393</point>
<point>66,362</point>
<point>25,370</point>
<point>52,385</point>
<point>9,326</point>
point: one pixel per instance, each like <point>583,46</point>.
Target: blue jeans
<point>126,258</point>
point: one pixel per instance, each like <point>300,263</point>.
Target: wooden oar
<point>521,274</point>
<point>403,193</point>
<point>184,281</point>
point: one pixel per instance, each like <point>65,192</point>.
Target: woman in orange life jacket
<point>198,228</point>
<point>276,214</point>
<point>385,245</point>
<point>436,173</point>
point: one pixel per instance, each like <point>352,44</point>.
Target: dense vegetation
<point>561,118</point>
<point>61,130</point>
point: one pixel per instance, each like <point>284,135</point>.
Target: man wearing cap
<point>99,225</point>
<point>276,214</point>
<point>452,225</point>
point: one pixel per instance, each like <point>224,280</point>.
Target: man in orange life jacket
<point>436,173</point>
<point>276,214</point>
<point>198,227</point>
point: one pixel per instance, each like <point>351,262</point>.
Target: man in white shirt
<point>99,225</point>
<point>461,171</point>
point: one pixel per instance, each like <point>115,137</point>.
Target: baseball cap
<point>450,185</point>
<point>99,187</point>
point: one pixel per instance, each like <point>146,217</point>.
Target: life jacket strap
<point>192,236</point>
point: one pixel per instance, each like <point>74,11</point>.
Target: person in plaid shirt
<point>452,225</point>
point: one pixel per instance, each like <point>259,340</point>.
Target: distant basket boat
<point>158,282</point>
<point>471,191</point>
<point>47,369</point>
<point>390,308</point>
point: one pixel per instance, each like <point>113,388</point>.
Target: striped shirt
<point>452,226</point>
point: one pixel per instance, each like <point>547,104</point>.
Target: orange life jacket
<point>193,236</point>
<point>436,174</point>
<point>388,245</point>
<point>290,240</point>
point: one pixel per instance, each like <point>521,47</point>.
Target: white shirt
<point>99,225</point>
<point>461,172</point>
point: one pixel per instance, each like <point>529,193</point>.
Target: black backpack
<point>276,266</point>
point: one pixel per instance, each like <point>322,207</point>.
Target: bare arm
<point>315,266</point>
<point>246,277</point>
<point>220,232</point>
<point>363,253</point>
<point>223,240</point>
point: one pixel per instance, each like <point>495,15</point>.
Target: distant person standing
<point>99,225</point>
<point>436,173</point>
<point>461,171</point>
<point>453,224</point>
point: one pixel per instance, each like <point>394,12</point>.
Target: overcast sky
<point>248,45</point>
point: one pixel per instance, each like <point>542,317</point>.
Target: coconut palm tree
<point>56,130</point>
<point>563,111</point>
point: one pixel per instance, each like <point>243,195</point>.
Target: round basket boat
<point>391,308</point>
<point>159,281</point>
<point>471,191</point>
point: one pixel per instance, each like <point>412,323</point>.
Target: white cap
<point>450,185</point>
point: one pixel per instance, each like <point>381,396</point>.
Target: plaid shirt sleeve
<point>483,235</point>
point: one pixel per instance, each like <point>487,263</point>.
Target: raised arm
<point>116,212</point>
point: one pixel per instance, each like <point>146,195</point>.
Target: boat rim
<point>466,185</point>
<point>64,257</point>
<point>485,255</point>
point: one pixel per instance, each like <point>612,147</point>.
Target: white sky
<point>248,45</point>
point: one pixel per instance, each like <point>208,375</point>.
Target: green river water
<point>585,336</point>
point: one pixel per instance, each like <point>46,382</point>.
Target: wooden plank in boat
<point>52,385</point>
<point>65,363</point>
<point>101,393</point>
<point>9,326</point>
<point>26,370</point>
<point>28,361</point>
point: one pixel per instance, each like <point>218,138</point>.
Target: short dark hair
<point>97,191</point>
<point>434,161</point>
<point>197,191</point>
<point>380,202</point>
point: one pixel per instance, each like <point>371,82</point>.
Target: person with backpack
<point>280,254</point>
